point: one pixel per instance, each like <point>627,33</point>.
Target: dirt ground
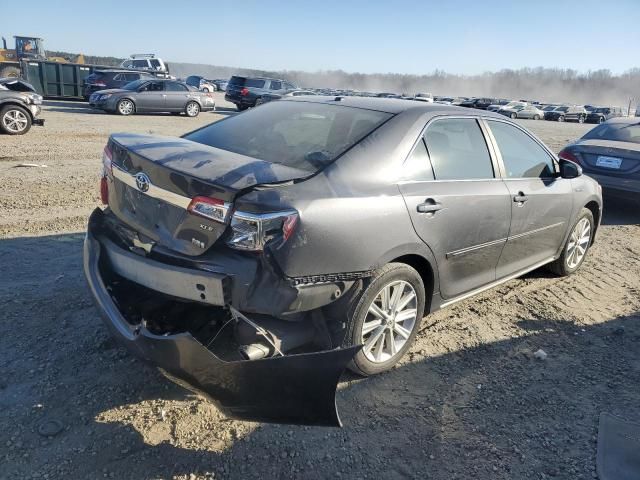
<point>470,401</point>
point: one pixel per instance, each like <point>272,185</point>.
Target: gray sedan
<point>325,228</point>
<point>148,96</point>
<point>524,111</point>
<point>610,153</point>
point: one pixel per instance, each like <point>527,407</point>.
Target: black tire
<point>581,119</point>
<point>514,115</point>
<point>601,120</point>
<point>359,312</point>
<point>561,118</point>
<point>192,109</point>
<point>10,71</point>
<point>123,109</point>
<point>561,266</point>
<point>536,117</point>
<point>241,107</point>
<point>14,120</point>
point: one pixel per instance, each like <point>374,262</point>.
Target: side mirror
<point>569,169</point>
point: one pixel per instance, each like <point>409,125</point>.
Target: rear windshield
<point>619,132</point>
<point>303,135</point>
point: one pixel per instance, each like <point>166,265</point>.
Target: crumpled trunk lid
<point>155,178</point>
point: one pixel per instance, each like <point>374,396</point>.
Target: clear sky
<point>457,36</point>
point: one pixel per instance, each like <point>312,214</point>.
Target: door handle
<point>429,206</point>
<point>520,198</point>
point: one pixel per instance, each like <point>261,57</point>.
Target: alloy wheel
<point>193,109</point>
<point>390,319</point>
<point>15,121</point>
<point>578,243</point>
<point>125,107</point>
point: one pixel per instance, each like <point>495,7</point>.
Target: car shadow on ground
<point>488,411</point>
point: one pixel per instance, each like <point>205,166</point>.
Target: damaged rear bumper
<point>296,389</point>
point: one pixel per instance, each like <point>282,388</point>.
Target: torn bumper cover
<point>295,389</point>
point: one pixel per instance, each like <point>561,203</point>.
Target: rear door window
<point>522,156</point>
<point>276,85</point>
<point>175,87</point>
<point>458,150</point>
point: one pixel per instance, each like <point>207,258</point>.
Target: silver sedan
<point>525,111</point>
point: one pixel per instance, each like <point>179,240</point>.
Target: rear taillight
<point>107,174</point>
<point>244,92</point>
<point>251,232</point>
<point>567,155</point>
<point>211,208</point>
<point>107,161</point>
<point>104,190</point>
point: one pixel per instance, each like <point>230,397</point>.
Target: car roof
<point>392,105</point>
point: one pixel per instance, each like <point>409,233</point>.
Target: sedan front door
<point>151,97</point>
<point>541,201</point>
<point>460,207</point>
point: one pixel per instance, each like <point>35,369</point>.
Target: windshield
<point>135,85</point>
<point>303,135</point>
<point>619,132</point>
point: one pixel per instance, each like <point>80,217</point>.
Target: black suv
<point>480,103</point>
<point>106,79</point>
<point>244,92</point>
<point>602,114</point>
<point>568,113</point>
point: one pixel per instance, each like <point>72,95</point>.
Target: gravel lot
<point>470,401</point>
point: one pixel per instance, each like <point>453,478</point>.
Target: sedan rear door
<point>541,201</point>
<point>176,96</point>
<point>458,205</point>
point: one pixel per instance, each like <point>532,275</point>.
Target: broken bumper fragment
<point>294,389</point>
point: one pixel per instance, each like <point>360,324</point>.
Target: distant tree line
<point>552,85</point>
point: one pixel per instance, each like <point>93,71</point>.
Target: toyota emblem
<point>142,181</point>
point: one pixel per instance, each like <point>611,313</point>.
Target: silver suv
<point>19,106</point>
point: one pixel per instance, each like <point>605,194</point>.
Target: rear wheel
<point>125,107</point>
<point>536,117</point>
<point>576,247</point>
<point>561,118</point>
<point>601,120</point>
<point>192,109</point>
<point>580,119</point>
<point>14,120</point>
<point>385,319</point>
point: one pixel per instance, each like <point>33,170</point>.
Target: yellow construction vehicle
<point>27,48</point>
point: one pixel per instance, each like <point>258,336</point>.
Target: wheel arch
<point>419,257</point>
<point>596,211</point>
<point>16,103</point>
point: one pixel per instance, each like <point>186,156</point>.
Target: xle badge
<point>206,227</point>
